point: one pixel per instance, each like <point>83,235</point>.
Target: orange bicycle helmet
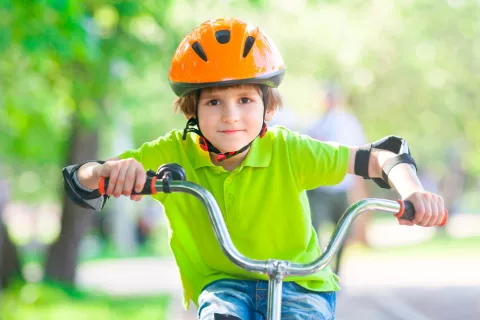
<point>225,52</point>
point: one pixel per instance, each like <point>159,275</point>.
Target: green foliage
<point>62,58</point>
<point>49,301</point>
<point>425,81</point>
<point>257,3</point>
<point>67,60</point>
<point>407,73</point>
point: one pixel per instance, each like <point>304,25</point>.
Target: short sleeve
<point>316,163</point>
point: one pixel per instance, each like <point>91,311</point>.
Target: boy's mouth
<point>230,131</point>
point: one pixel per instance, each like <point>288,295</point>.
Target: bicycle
<point>171,178</point>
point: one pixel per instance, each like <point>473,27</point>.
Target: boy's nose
<point>230,114</point>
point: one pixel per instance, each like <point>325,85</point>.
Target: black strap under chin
<point>191,126</point>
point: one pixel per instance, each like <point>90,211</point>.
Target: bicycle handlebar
<point>401,209</point>
<point>148,188</point>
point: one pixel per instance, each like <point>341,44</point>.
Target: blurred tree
<point>75,52</point>
<point>9,262</point>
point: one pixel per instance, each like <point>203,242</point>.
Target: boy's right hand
<point>124,175</point>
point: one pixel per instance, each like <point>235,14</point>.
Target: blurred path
<point>444,286</point>
<point>433,288</point>
<point>374,288</point>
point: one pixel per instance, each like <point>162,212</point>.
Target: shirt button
<point>228,180</point>
<point>229,197</point>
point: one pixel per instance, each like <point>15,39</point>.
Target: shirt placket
<point>228,195</point>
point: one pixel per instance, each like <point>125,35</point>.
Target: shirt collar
<point>260,152</point>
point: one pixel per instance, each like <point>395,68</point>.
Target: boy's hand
<point>124,175</point>
<point>429,209</point>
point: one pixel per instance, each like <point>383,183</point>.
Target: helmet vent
<point>248,45</point>
<point>223,36</point>
<point>197,47</point>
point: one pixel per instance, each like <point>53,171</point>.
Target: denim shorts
<point>247,300</point>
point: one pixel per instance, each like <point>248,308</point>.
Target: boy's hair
<point>189,102</point>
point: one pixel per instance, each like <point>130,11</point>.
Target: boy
<point>225,74</point>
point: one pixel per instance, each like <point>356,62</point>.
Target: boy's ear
<point>269,114</point>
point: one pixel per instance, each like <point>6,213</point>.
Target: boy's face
<point>231,117</point>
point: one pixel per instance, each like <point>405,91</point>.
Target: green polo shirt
<point>263,202</point>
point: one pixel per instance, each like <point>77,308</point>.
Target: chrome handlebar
<point>286,268</point>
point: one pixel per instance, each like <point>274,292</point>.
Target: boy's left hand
<point>429,209</point>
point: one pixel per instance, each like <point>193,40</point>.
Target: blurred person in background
<point>148,221</point>
<point>429,179</point>
<point>286,117</point>
<point>327,204</point>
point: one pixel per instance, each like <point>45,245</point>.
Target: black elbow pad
<point>393,144</point>
<point>86,199</point>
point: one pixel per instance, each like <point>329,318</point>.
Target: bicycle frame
<point>277,270</point>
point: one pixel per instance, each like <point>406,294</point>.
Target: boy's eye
<point>245,100</point>
<point>213,102</point>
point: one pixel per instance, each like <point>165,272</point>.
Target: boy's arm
<point>429,207</point>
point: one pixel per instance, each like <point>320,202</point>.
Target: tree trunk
<point>62,255</point>
<point>9,262</point>
<point>122,225</point>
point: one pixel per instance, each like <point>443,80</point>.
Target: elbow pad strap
<point>401,158</point>
<point>362,158</point>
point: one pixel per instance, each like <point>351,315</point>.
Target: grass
<point>441,244</point>
<point>438,246</point>
<point>52,302</point>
